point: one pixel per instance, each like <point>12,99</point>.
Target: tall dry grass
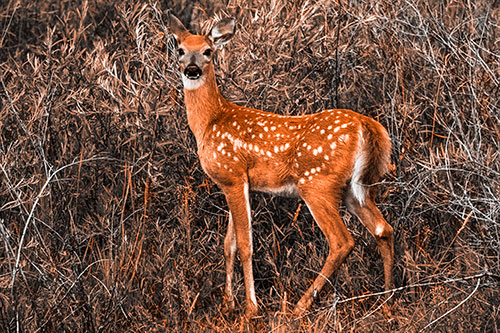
<point>107,222</point>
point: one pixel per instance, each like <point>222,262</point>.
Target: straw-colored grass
<point>108,223</point>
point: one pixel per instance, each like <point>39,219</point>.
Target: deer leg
<point>237,198</point>
<point>229,254</point>
<point>372,219</point>
<point>340,241</point>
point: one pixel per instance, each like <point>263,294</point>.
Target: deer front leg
<point>238,200</point>
<point>229,254</point>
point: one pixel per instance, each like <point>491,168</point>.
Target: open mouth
<point>192,72</point>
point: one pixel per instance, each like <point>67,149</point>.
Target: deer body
<point>323,158</point>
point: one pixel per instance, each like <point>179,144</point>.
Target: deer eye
<point>181,52</point>
<point>207,53</point>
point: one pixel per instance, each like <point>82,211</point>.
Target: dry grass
<point>107,222</point>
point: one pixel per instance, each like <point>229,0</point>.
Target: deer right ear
<point>177,28</point>
<point>222,32</point>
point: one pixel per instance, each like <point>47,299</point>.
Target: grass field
<point>108,223</point>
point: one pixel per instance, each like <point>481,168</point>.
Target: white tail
<point>324,158</point>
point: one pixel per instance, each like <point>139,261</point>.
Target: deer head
<point>196,51</point>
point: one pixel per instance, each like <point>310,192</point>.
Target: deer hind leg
<point>325,213</point>
<point>372,219</point>
<point>229,255</point>
<point>237,198</point>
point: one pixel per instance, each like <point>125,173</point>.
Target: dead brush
<point>90,89</point>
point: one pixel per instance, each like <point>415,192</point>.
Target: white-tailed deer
<point>323,158</point>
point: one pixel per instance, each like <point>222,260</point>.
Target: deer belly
<point>284,190</point>
<point>271,180</point>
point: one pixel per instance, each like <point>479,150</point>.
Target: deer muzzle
<point>192,72</point>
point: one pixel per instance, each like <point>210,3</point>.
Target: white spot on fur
<point>237,144</point>
<point>344,138</point>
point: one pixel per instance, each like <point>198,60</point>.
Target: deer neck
<point>203,104</point>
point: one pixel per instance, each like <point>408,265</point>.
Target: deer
<point>327,158</point>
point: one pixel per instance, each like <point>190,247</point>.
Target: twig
<point>392,291</point>
<point>416,285</point>
<point>32,211</point>
<point>453,240</point>
<point>454,308</point>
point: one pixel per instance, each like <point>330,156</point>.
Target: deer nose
<point>192,72</point>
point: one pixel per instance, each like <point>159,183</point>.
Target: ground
<point>108,223</point>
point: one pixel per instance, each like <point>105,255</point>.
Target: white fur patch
<point>192,84</point>
<point>287,190</point>
<point>357,188</point>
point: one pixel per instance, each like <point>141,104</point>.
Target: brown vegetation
<point>107,222</point>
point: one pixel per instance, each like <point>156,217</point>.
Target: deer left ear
<point>222,32</point>
<point>177,28</point>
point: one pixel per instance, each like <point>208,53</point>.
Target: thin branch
<point>32,211</point>
<point>454,308</point>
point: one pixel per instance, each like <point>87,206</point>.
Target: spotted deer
<point>324,158</point>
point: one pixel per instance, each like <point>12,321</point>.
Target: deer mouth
<point>192,72</point>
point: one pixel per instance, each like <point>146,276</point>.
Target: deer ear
<point>222,32</point>
<point>177,28</point>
